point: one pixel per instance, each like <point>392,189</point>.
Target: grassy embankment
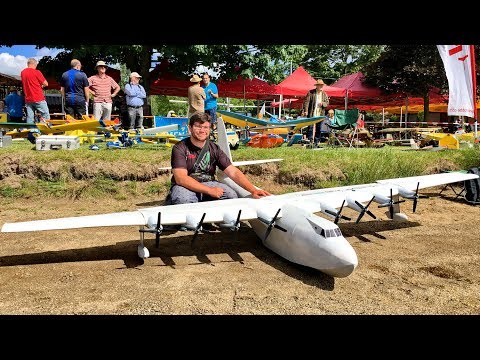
<point>83,173</point>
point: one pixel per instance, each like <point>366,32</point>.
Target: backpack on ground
<point>472,187</point>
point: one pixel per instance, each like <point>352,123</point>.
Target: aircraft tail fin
<point>222,137</point>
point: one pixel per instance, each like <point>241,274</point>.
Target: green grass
<point>120,174</point>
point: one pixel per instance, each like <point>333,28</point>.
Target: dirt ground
<point>427,265</point>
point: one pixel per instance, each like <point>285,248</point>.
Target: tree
<point>411,69</point>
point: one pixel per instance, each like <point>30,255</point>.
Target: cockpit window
<point>329,233</point>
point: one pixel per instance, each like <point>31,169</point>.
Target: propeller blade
<point>157,234</point>
<point>364,210</point>
<point>360,216</point>
<point>269,229</point>
<point>198,228</point>
<point>237,225</point>
<point>271,225</point>
<point>338,215</point>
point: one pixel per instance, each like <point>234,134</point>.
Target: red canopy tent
<point>300,82</point>
<point>238,89</point>
<point>357,93</point>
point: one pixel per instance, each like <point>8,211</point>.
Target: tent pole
<point>401,116</point>
<point>280,107</point>
<point>383,116</point>
<point>406,112</point>
<point>244,99</point>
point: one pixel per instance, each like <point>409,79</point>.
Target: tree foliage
<point>269,62</point>
<point>411,69</point>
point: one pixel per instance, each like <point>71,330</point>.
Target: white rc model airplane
<point>287,224</point>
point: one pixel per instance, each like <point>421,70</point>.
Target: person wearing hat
<point>101,87</point>
<point>135,95</point>
<point>14,105</point>
<point>196,96</point>
<point>314,105</point>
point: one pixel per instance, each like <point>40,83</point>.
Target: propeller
<point>338,215</point>
<point>198,228</point>
<point>271,224</point>
<point>364,210</point>
<point>235,227</point>
<point>157,231</point>
<point>390,203</point>
<point>415,197</point>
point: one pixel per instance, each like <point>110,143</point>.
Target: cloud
<point>14,64</point>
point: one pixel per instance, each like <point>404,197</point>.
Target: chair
<point>344,127</point>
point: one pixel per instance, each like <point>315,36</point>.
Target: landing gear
<point>141,249</point>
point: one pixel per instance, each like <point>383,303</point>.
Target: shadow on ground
<point>180,245</point>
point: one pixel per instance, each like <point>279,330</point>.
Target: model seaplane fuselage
<point>287,224</point>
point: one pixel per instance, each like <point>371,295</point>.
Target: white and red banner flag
<point>459,62</point>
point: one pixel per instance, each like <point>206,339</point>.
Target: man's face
<point>101,69</point>
<point>200,131</point>
<point>206,79</point>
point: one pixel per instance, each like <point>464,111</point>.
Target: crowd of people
<point>76,90</point>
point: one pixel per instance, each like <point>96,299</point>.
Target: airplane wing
<point>268,208</point>
<point>241,121</point>
<point>13,125</point>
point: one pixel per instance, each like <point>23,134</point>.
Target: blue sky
<point>14,59</point>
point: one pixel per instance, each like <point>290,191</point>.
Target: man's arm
<point>86,89</point>
<point>305,104</point>
<point>236,175</point>
<point>116,88</point>
<point>142,94</point>
<point>183,179</point>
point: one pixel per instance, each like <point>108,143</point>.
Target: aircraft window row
<point>329,233</point>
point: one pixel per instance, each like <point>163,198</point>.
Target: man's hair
<point>31,61</point>
<point>74,63</point>
<point>200,117</point>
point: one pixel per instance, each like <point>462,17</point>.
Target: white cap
<point>135,74</point>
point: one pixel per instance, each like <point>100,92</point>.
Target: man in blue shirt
<point>135,96</point>
<point>14,103</point>
<point>74,87</point>
<point>211,93</point>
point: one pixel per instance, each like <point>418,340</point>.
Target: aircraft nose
<point>345,265</point>
<point>343,271</point>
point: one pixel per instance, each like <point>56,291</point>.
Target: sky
<point>14,59</point>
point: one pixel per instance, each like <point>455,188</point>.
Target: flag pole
<point>474,85</point>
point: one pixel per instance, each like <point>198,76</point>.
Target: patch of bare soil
<point>427,265</point>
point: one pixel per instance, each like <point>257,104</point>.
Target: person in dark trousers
<point>136,96</point>
<point>194,163</point>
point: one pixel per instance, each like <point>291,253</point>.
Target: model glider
<point>242,121</point>
<point>287,224</point>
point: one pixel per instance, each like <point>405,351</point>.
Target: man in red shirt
<point>33,83</point>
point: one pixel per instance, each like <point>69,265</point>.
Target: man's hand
<point>215,192</point>
<point>258,193</point>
